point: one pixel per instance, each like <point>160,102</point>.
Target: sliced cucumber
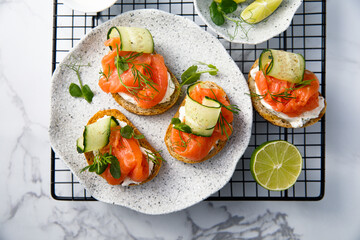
<point>201,118</point>
<point>80,144</point>
<point>282,65</point>
<point>133,39</point>
<point>95,135</point>
<point>113,122</point>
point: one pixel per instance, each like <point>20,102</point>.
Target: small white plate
<point>275,24</point>
<point>89,5</point>
<point>178,185</point>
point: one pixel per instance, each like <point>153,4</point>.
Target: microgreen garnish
<point>191,74</point>
<point>104,75</point>
<point>286,95</point>
<point>178,125</point>
<point>222,120</point>
<point>183,144</point>
<point>141,80</point>
<point>82,91</point>
<point>128,132</point>
<point>101,162</point>
<point>218,15</point>
<point>153,157</point>
<point>239,24</point>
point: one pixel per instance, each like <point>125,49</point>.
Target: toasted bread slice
<point>268,115</point>
<point>143,142</point>
<point>158,109</point>
<point>217,148</point>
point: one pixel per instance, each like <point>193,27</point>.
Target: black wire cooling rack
<point>306,35</point>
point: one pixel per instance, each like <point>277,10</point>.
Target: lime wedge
<point>276,165</point>
<point>259,10</point>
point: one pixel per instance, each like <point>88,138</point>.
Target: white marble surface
<point>27,210</point>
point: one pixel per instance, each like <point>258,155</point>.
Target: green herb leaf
<point>79,90</point>
<point>193,78</point>
<point>101,162</point>
<point>182,127</point>
<point>85,168</point>
<point>88,94</point>
<point>191,75</point>
<point>115,168</point>
<point>139,136</point>
<point>175,121</point>
<point>75,90</point>
<point>101,168</point>
<point>127,132</point>
<point>93,167</point>
<point>188,72</point>
<point>216,15</point>
<point>212,66</point>
<point>121,64</point>
<point>228,6</point>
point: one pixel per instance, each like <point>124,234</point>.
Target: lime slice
<point>276,165</point>
<point>259,10</point>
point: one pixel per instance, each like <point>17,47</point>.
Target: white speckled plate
<point>275,24</point>
<point>178,185</point>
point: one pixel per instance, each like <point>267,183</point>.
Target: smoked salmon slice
<point>133,162</point>
<point>197,147</point>
<point>146,79</point>
<point>299,100</point>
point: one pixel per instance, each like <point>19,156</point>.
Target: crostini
<point>115,149</point>
<point>135,75</point>
<point>202,125</point>
<point>283,92</point>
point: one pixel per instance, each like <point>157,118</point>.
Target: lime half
<point>259,10</point>
<point>276,165</point>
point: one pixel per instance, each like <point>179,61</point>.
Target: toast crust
<point>269,116</point>
<point>157,109</point>
<point>216,149</point>
<point>143,142</point>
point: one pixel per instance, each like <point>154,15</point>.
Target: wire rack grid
<point>306,35</point>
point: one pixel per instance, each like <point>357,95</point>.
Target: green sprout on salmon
<point>285,95</point>
<point>222,120</point>
<point>141,80</point>
<point>101,162</point>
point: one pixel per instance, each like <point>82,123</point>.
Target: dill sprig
<point>141,80</point>
<point>286,95</point>
<point>107,76</point>
<point>239,24</point>
<point>222,120</point>
<point>153,157</point>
